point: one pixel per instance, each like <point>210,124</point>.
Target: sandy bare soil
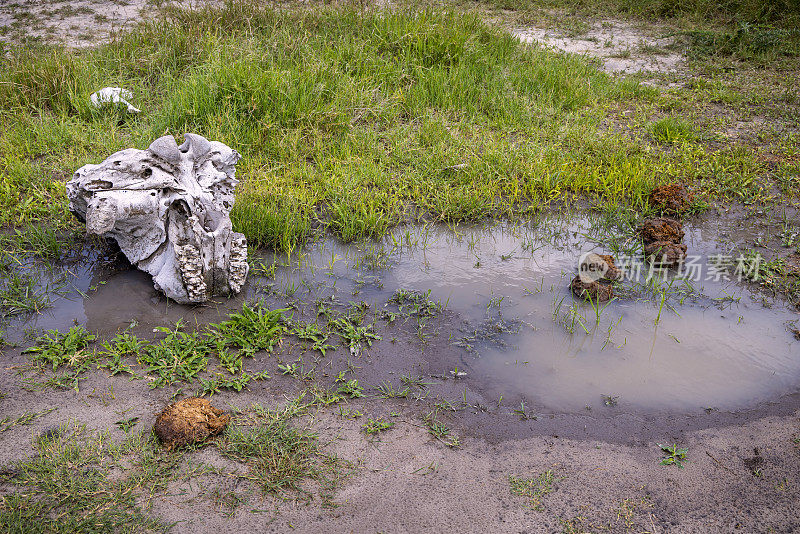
<point>620,47</point>
<point>739,476</point>
<point>75,23</point>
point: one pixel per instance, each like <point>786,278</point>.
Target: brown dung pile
<point>188,421</point>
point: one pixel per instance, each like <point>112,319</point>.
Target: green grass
<point>181,355</point>
<point>782,12</point>
<point>672,130</point>
<point>376,426</point>
<point>755,42</point>
<point>348,121</point>
<point>281,458</point>
<point>211,357</point>
<point>65,486</point>
<point>533,488</point>
<point>26,418</point>
<point>79,480</point>
<point>439,430</point>
<point>21,294</point>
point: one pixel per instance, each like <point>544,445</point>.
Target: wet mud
<point>529,377</point>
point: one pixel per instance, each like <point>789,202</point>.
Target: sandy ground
<point>620,48</point>
<point>75,22</point>
<point>406,483</point>
<point>737,478</point>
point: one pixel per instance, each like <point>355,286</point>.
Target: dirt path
<point>620,47</point>
<point>76,23</point>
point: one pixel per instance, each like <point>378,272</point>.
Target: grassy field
<point>349,120</point>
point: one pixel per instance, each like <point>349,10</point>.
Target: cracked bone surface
<point>168,207</point>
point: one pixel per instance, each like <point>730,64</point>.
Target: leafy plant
<point>252,329</point>
<point>179,356</point>
<point>55,348</point>
<point>352,334</point>
<point>375,426</point>
<point>312,332</point>
<point>127,424</point>
<point>123,345</point>
<point>288,368</point>
<point>673,455</point>
<point>351,389</point>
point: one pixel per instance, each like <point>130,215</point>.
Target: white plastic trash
<point>113,95</point>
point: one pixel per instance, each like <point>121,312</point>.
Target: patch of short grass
<point>533,488</point>
<point>182,355</point>
<point>20,293</point>
<point>349,120</point>
<point>282,458</point>
<point>66,486</point>
<point>26,418</point>
<point>783,12</point>
<point>82,480</point>
<point>376,426</point>
<point>745,41</point>
<point>672,130</point>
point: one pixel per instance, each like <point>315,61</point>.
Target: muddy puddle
<point>669,345</point>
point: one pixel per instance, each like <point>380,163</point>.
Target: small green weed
<point>440,431</point>
<point>533,488</point>
<point>179,356</point>
<point>55,348</point>
<point>671,130</point>
<point>126,425</point>
<point>351,389</point>
<point>252,329</point>
<point>375,426</point>
<point>673,455</point>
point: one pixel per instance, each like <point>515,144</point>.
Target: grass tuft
<point>671,130</point>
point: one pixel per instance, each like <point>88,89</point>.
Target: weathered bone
<point>168,208</point>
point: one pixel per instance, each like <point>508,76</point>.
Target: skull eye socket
<point>181,207</point>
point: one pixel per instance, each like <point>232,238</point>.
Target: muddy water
<point>722,348</point>
<point>522,334</point>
